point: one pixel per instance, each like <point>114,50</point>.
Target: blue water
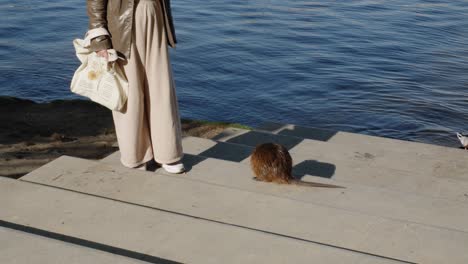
<point>396,69</point>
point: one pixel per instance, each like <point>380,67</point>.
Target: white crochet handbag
<point>101,81</point>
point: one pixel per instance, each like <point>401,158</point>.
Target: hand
<point>103,53</point>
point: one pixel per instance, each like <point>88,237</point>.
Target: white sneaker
<point>174,168</point>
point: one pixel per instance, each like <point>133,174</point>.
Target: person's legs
<point>162,105</point>
<point>131,126</point>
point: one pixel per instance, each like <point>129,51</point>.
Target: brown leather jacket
<point>117,17</point>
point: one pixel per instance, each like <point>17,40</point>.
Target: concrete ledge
<point>171,236</point>
<point>371,200</point>
<point>347,138</point>
<point>302,218</point>
<point>330,166</point>
<point>419,159</point>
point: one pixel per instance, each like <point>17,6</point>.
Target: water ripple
<point>387,68</point>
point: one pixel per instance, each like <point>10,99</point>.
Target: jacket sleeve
<point>97,13</point>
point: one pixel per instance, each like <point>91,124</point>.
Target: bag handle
<point>92,33</point>
<point>112,55</point>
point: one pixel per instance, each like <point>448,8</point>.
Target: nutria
<point>271,162</point>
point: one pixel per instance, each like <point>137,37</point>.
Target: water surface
<point>389,68</point>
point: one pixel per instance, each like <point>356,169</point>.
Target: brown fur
<point>271,162</point>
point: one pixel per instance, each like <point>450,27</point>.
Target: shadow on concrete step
<point>313,168</point>
<point>254,138</point>
<point>239,153</point>
<point>87,243</point>
<point>307,167</point>
<point>236,153</point>
<point>303,132</point>
<point>245,143</point>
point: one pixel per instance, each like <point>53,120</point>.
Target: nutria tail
<point>308,184</point>
<point>314,184</point>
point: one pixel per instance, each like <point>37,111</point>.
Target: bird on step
<point>463,140</point>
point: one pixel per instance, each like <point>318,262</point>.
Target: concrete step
<point>162,236</point>
<point>369,163</point>
<point>335,170</point>
<point>413,156</point>
<point>17,247</point>
<point>215,190</point>
<point>206,148</point>
<point>445,213</point>
<point>356,139</point>
<point>418,158</point>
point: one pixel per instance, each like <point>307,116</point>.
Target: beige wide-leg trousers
<point>150,127</point>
